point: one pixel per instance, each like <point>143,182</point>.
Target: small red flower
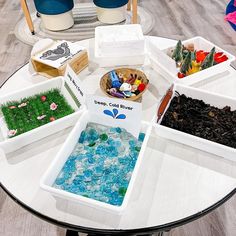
<point>43,98</point>
<point>220,57</point>
<point>201,55</point>
<point>181,75</point>
<point>52,118</point>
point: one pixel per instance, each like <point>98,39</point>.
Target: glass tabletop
<point>175,184</point>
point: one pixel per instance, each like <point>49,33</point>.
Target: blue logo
<point>114,114</point>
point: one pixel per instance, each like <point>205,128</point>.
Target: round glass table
<point>176,184</point>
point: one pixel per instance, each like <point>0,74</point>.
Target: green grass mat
<point>32,112</point>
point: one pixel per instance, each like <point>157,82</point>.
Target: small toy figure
<point>177,54</point>
<point>125,87</point>
<point>186,64</point>
<point>209,60</point>
<point>115,83</point>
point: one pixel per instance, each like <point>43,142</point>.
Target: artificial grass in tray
<point>32,112</point>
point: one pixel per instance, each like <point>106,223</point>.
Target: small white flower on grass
<point>22,104</point>
<point>41,117</point>
<point>12,132</point>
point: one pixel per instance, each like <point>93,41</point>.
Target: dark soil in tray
<point>195,117</point>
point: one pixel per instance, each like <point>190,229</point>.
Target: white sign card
<point>58,54</point>
<point>75,84</point>
<point>116,113</point>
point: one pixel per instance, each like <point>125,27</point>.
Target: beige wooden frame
<point>30,24</point>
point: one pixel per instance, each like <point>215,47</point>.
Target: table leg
<point>71,233</point>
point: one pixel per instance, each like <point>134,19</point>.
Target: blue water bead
<point>107,171</point>
<point>89,148</point>
<point>111,141</point>
<point>107,190</point>
<point>133,155</point>
<point>93,135</point>
<point>82,188</point>
<point>117,143</point>
<point>66,187</point>
<point>115,199</point>
<point>112,151</point>
<point>104,199</point>
<point>99,161</point>
<point>124,182</point>
<point>132,143</point>
<point>123,160</point>
<point>88,173</point>
<point>80,157</point>
<point>69,167</point>
<point>60,181</point>
<point>132,164</point>
<point>118,130</point>
<point>101,150</point>
<point>91,159</point>
<point>141,137</point>
<point>98,171</point>
<point>115,179</point>
<point>73,188</point>
<point>77,180</point>
<point>113,130</point>
<point>83,136</point>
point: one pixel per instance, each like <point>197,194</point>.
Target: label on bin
<point>75,84</point>
<point>58,54</point>
<point>116,112</point>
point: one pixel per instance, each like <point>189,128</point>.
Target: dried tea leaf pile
<point>195,117</point>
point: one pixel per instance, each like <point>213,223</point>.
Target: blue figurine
<point>115,83</point>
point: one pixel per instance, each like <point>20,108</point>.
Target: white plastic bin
<point>14,143</point>
<point>164,64</point>
<point>51,174</point>
<point>119,45</point>
<point>213,99</point>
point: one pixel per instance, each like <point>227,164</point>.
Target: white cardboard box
<point>14,143</point>
<point>191,140</point>
<point>163,63</point>
<point>119,45</point>
<point>51,174</point>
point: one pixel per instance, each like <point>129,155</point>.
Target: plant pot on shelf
<point>55,14</point>
<point>111,12</point>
